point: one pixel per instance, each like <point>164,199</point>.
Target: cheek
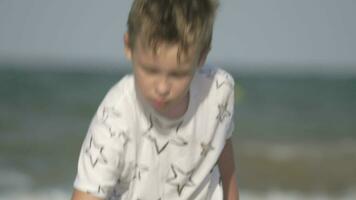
<point>141,82</point>
<point>182,86</point>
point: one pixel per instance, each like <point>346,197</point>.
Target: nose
<point>163,87</point>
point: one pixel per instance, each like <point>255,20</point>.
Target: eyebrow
<point>149,67</point>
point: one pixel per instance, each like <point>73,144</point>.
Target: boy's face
<point>160,78</point>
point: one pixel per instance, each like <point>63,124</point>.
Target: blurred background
<point>294,62</point>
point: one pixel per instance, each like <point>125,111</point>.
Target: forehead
<point>163,51</point>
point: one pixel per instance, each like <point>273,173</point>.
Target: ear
<point>127,47</point>
<point>203,56</point>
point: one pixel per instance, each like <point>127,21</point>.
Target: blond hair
<point>183,22</point>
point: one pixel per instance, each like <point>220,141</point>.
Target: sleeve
<point>225,88</point>
<point>230,109</point>
<point>101,155</point>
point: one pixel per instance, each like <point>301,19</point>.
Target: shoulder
<point>121,90</point>
<point>119,100</point>
<point>224,77</point>
<point>215,73</point>
<point>218,80</point>
<point>216,104</point>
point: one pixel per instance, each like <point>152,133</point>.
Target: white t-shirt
<point>132,153</point>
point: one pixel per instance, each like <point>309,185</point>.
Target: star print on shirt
<point>124,138</point>
<point>179,141</point>
<point>121,135</point>
<point>223,112</point>
<point>178,127</point>
<point>180,178</point>
<point>150,126</point>
<point>95,153</point>
<point>219,84</point>
<point>109,112</point>
<point>227,81</point>
<point>158,148</point>
<point>101,190</point>
<point>205,148</point>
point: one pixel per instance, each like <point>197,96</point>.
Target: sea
<point>294,138</point>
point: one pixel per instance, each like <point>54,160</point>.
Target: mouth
<point>159,103</point>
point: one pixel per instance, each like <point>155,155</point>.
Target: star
<point>105,114</point>
<point>124,138</point>
<point>154,141</point>
<point>218,85</point>
<point>223,112</point>
<point>178,127</point>
<point>101,190</point>
<point>150,126</point>
<point>111,131</point>
<point>121,135</point>
<point>109,112</point>
<point>228,81</point>
<point>95,153</point>
<point>180,178</point>
<point>179,141</point>
<point>205,148</point>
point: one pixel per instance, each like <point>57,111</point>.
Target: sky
<point>290,34</point>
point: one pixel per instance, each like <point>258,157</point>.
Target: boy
<point>164,132</point>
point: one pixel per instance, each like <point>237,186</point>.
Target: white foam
<point>289,151</point>
<point>11,178</point>
<point>32,195</point>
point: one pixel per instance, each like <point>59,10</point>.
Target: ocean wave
<point>11,178</point>
<point>290,150</point>
<point>302,167</point>
<point>54,194</point>
<point>281,195</point>
<point>31,195</point>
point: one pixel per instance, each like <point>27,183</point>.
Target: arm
<point>79,195</point>
<point>227,171</point>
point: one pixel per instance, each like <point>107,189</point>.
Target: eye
<point>150,70</point>
<point>179,74</point>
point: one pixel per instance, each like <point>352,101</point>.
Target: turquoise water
<point>293,133</point>
<point>299,107</point>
